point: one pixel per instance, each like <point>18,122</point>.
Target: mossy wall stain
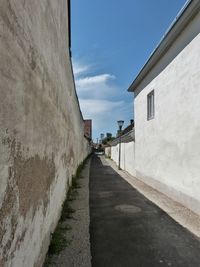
<point>29,182</point>
<point>33,178</point>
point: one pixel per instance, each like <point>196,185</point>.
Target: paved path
<point>127,230</point>
<point>77,252</point>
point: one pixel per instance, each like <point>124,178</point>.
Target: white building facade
<point>167,112</point>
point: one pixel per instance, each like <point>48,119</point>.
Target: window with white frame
<point>150,105</point>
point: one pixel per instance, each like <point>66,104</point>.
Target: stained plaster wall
<point>41,126</point>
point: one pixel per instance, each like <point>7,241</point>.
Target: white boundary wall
<point>127,156</point>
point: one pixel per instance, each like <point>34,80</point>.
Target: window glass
<point>150,105</point>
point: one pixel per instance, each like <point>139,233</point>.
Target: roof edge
<point>188,11</point>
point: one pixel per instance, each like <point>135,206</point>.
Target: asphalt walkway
<point>127,230</point>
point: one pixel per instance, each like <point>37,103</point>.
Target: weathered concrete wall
<point>41,127</point>
<point>167,147</point>
<point>127,156</point>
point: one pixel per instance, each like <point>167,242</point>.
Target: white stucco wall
<point>127,156</point>
<point>167,148</point>
<point>108,151</point>
<point>115,154</point>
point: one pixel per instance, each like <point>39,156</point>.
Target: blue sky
<point>111,41</point>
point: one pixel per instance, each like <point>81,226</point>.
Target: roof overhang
<point>187,13</point>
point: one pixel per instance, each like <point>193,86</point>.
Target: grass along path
<point>70,245</point>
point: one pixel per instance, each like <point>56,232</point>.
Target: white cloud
<point>97,87</point>
<point>101,86</point>
<point>101,99</point>
<point>92,107</point>
<point>105,114</point>
<point>91,82</point>
<point>79,68</point>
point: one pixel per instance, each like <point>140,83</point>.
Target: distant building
<point>88,129</point>
<point>128,128</point>
<point>167,112</point>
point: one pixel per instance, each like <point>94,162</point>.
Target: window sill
<point>150,118</point>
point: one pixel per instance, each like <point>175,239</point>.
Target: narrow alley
<point>127,230</point>
<point>99,133</point>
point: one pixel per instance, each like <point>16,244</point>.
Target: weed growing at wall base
<point>58,241</point>
<point>107,156</point>
<point>58,238</point>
